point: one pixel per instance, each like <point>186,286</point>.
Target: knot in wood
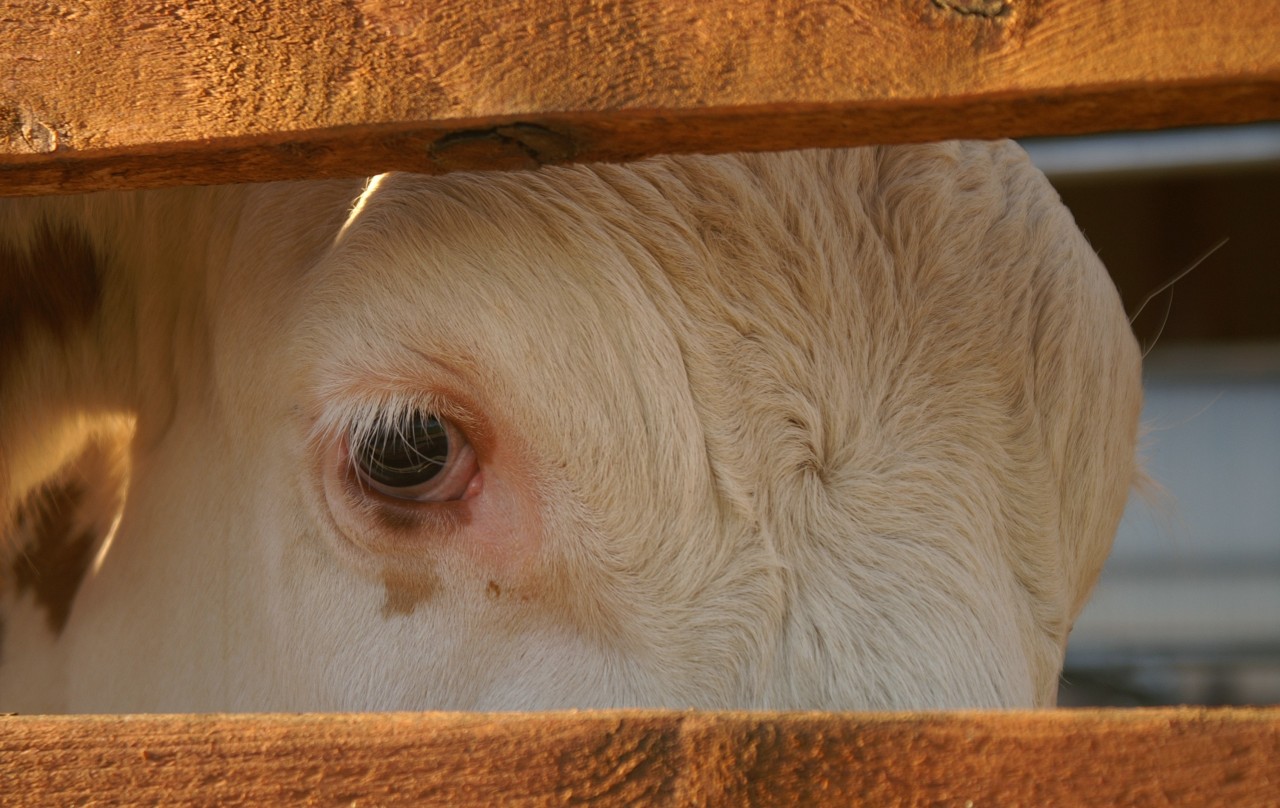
<point>511,147</point>
<point>988,9</point>
<point>34,135</point>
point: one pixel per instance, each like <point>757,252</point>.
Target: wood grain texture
<point>142,93</point>
<point>1156,757</point>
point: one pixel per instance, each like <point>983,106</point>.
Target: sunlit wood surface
<point>139,93</point>
<point>1060,758</point>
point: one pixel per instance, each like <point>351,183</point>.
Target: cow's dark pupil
<point>405,453</point>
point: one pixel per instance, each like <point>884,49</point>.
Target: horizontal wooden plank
<point>1157,757</point>
<point>133,93</point>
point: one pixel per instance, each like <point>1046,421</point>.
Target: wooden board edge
<point>531,141</point>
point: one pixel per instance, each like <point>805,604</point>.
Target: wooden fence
<point>1053,758</point>
<point>131,94</point>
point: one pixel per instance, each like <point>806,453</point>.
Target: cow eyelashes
<point>403,455</point>
<point>417,456</point>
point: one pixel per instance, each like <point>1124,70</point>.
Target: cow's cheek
<point>504,533</point>
<point>487,543</point>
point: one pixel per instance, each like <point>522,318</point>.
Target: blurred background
<point>1188,608</point>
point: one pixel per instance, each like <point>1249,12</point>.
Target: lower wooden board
<point>1143,757</point>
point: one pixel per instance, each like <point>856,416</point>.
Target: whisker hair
<point>1184,273</point>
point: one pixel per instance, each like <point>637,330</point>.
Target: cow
<point>829,429</point>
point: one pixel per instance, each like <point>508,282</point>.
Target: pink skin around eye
<point>475,486</point>
<point>487,511</point>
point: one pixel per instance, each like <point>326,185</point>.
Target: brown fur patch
<point>54,284</point>
<point>405,590</point>
<point>58,553</point>
<point>58,527</point>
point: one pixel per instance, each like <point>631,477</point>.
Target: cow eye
<point>419,456</point>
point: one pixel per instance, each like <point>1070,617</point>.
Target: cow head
<point>832,430</point>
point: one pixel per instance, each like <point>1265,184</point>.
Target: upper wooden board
<point>1157,757</point>
<point>140,93</point>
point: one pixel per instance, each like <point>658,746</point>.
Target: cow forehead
<point>790,309</point>
<point>808,267</point>
<point>644,259</point>
<point>754,242</point>
<point>484,275</point>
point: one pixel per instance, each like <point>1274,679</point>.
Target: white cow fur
<point>829,429</point>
